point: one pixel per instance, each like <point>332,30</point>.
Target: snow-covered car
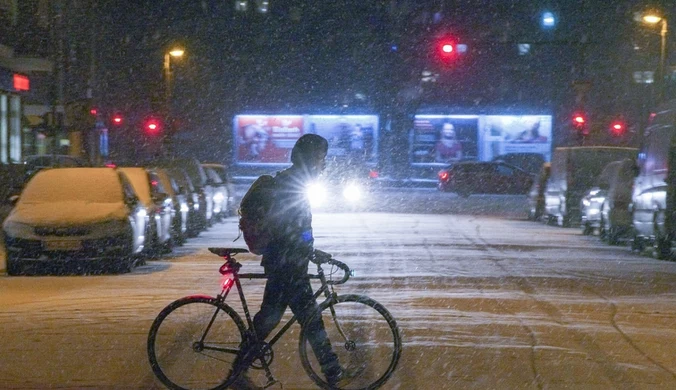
<point>195,221</point>
<point>224,174</point>
<point>154,197</point>
<point>220,196</point>
<point>69,214</point>
<point>179,202</point>
<point>200,182</point>
<point>590,209</point>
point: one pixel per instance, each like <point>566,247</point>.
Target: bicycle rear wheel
<point>193,342</point>
<point>366,339</point>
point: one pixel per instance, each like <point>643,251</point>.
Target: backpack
<point>254,212</point>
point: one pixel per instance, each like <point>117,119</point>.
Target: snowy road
<point>484,301</point>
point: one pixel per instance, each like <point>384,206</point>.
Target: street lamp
<point>652,18</point>
<point>176,52</point>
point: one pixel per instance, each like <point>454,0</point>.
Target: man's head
<point>309,153</point>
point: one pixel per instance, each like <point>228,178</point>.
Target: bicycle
<point>193,341</point>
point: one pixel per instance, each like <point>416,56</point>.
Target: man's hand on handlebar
<point>320,257</point>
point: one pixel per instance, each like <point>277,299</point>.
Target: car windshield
<point>138,177</point>
<point>97,185</point>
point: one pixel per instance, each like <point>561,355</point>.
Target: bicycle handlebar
<point>322,257</point>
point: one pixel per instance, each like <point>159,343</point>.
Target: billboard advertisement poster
<point>349,136</point>
<point>439,140</point>
<point>443,139</point>
<point>502,134</point>
<point>268,139</point>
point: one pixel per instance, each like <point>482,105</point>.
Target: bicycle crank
<point>267,355</point>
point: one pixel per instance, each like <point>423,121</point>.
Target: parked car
<point>616,219</point>
<point>152,194</point>
<point>200,182</point>
<point>573,172</point>
<point>179,215</point>
<point>467,178</point>
<point>33,164</point>
<point>536,195</point>
<point>590,209</point>
<point>529,162</point>
<point>72,214</point>
<point>195,222</point>
<point>653,198</point>
<point>224,174</point>
<point>221,194</point>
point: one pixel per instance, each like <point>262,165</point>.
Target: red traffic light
<point>580,123</point>
<point>617,128</point>
<point>152,126</point>
<point>446,49</point>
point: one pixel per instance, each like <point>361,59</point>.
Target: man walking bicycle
<point>286,258</point>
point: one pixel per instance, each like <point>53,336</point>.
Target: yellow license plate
<point>64,245</point>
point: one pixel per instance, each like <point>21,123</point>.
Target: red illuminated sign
<point>21,83</point>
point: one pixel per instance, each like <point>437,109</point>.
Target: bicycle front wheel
<point>193,343</point>
<point>364,336</point>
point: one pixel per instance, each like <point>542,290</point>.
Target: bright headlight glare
<point>586,202</point>
<point>184,207</point>
<point>141,213</point>
<point>219,197</point>
<point>316,194</point>
<point>352,192</point>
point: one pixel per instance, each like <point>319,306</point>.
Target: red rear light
<point>444,175</point>
<point>373,174</point>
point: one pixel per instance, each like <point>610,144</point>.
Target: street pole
<point>663,60</point>
<point>167,83</point>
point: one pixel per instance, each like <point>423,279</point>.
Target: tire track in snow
<point>614,373</point>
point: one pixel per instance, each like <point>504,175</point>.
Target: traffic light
<point>152,126</point>
<point>617,128</point>
<point>447,50</point>
<point>580,123</point>
<point>117,120</point>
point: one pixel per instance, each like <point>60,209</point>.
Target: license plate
<point>69,245</point>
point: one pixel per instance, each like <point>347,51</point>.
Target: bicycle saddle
<point>224,252</point>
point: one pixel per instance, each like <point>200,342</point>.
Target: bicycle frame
<point>231,268</point>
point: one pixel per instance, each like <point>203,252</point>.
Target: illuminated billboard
<point>444,139</point>
<point>268,139</point>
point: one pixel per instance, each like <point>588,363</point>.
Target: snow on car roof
<point>95,185</point>
<point>138,177</point>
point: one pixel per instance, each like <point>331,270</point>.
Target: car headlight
<point>184,208</point>
<point>586,202</point>
<point>18,229</point>
<point>352,192</point>
<point>316,194</point>
<point>218,197</point>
